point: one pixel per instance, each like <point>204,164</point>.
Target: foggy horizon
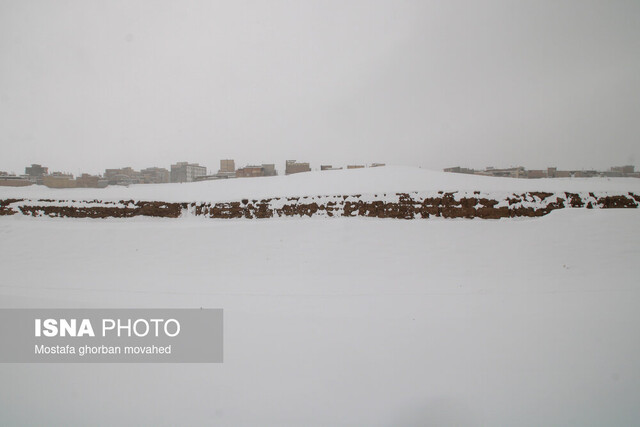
<point>86,87</point>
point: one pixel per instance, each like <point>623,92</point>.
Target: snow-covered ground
<point>345,321</point>
<point>388,179</point>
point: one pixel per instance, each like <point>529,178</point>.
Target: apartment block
<point>59,180</point>
<point>624,170</point>
<point>155,175</point>
<point>227,166</point>
<point>269,169</point>
<point>292,166</point>
<point>250,172</point>
<point>35,173</point>
<point>91,181</point>
<point>187,172</point>
<point>123,176</point>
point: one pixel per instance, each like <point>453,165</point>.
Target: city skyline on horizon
<point>314,166</point>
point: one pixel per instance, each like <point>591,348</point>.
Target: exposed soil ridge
<point>399,205</point>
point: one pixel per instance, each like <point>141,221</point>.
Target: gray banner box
<point>200,339</point>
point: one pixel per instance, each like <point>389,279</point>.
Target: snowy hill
<point>389,179</point>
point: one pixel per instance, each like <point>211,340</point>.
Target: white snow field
<point>344,321</point>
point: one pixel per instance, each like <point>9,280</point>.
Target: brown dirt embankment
<point>398,206</point>
<point>130,209</point>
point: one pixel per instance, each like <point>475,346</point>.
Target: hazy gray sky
<point>86,85</point>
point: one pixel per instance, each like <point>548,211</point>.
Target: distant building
<point>585,174</point>
<point>187,172</point>
<point>227,166</point>
<point>110,174</point>
<point>458,169</point>
<point>213,177</point>
<point>123,176</point>
<point>120,179</point>
<point>291,167</point>
<point>329,168</point>
<point>7,180</point>
<point>624,170</point>
<point>59,180</point>
<point>517,172</point>
<point>269,169</point>
<point>155,175</point>
<point>355,166</point>
<point>266,169</point>
<point>377,165</point>
<point>35,172</point>
<point>533,174</point>
<point>250,172</point>
<point>227,170</point>
<point>91,181</point>
<point>550,172</point>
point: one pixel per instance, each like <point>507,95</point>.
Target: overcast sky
<point>89,85</point>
